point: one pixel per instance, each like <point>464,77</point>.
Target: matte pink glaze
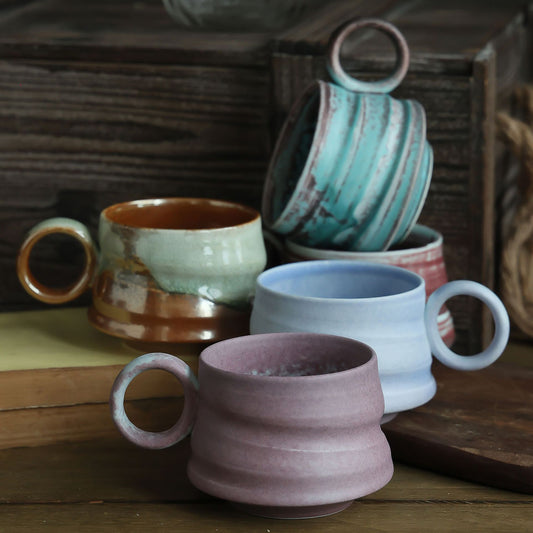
<point>289,424</point>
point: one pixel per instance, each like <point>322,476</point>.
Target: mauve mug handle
<point>499,314</point>
<point>339,75</point>
<point>66,226</point>
<point>182,428</point>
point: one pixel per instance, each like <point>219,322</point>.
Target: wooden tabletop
<point>110,485</point>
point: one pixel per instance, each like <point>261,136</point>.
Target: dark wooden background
<point>105,101</point>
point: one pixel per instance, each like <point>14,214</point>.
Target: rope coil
<point>517,255</point>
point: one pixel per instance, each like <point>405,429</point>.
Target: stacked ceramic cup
<point>351,170</point>
<point>347,181</point>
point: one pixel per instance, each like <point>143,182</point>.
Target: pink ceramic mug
<point>286,425</point>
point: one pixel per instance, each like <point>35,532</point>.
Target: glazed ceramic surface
<point>420,252</point>
<point>168,270</point>
<point>381,305</point>
<point>287,425</point>
<point>350,170</point>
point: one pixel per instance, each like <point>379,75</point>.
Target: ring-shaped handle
<point>66,226</point>
<point>499,314</point>
<point>385,85</point>
<point>182,428</point>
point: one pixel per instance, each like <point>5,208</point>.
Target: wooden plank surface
<point>108,485</point>
<point>191,518</point>
<point>479,427</point>
<point>55,358</point>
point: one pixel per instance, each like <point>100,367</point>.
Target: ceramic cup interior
<point>339,282</point>
<point>179,214</point>
<point>273,357</point>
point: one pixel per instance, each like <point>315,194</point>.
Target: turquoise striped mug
<point>352,166</point>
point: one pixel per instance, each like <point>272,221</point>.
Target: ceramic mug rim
<point>108,214</point>
<point>418,283</point>
<point>368,356</point>
<point>435,242</point>
<point>322,91</point>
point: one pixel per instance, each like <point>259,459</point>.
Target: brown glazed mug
<point>167,270</point>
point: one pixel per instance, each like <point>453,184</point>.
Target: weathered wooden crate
<point>108,101</point>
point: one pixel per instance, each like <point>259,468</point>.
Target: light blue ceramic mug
<point>381,305</point>
<point>352,166</point>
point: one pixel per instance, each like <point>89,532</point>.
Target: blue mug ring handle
<point>499,314</point>
<point>339,75</point>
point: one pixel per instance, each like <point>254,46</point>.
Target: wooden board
<point>478,427</point>
<point>56,358</point>
<point>109,485</point>
<point>74,423</point>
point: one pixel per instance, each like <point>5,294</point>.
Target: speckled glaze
<point>420,252</point>
<point>287,425</point>
<point>381,305</point>
<point>168,270</point>
<point>350,170</point>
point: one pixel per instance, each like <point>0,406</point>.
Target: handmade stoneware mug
<point>381,305</point>
<point>351,167</point>
<point>420,252</point>
<point>167,270</point>
<point>284,425</point>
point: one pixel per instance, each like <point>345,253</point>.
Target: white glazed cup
<point>381,305</point>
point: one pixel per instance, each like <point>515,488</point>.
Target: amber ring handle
<point>385,85</point>
<point>40,291</point>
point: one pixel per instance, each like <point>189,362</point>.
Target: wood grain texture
<point>479,426</point>
<point>75,138</point>
<point>218,517</point>
<point>41,426</point>
<point>109,485</point>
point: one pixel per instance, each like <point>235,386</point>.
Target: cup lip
<point>362,368</point>
<point>421,231</point>
<point>106,213</point>
<point>316,86</point>
<point>347,264</point>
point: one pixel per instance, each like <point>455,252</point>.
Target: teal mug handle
<point>499,314</point>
